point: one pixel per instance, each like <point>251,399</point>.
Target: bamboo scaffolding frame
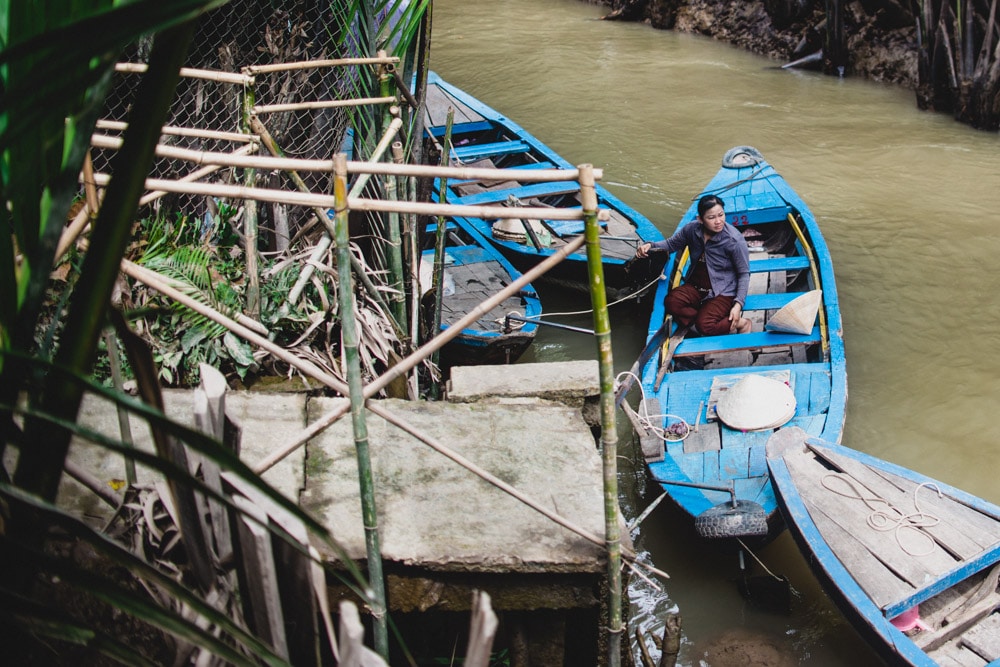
<point>358,204</point>
<point>191,73</point>
<point>195,175</point>
<point>252,70</point>
<point>373,167</point>
<point>152,280</point>
<point>323,104</point>
<point>357,188</point>
<point>185,154</point>
<point>173,130</point>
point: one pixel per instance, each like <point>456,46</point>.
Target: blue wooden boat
<point>474,271</point>
<point>482,137</point>
<point>716,473</point>
<point>912,562</point>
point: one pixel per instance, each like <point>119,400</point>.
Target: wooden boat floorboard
<point>926,560</point>
<point>984,639</point>
<point>960,529</point>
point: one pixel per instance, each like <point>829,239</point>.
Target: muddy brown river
<point>909,203</point>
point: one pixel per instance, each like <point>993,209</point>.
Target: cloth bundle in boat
<point>798,315</point>
<point>756,403</point>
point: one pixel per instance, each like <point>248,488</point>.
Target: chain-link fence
<point>284,78</point>
<point>211,111</point>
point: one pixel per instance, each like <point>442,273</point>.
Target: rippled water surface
<point>909,203</point>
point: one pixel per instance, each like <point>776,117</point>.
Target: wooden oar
<point>652,345</point>
<point>675,340</point>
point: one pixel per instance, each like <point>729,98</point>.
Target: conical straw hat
<point>511,229</point>
<point>756,403</point>
<point>798,315</point>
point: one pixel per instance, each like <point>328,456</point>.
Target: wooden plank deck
<point>961,530</point>
<point>923,561</point>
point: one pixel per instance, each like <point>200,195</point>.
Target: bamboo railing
<point>399,205</point>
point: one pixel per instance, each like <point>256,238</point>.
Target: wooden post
<point>609,432</point>
<point>482,629</point>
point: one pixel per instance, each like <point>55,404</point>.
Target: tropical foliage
<point>53,84</point>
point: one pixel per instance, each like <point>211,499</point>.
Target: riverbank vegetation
<point>947,51</point>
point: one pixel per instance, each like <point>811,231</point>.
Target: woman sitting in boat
<point>715,290</point>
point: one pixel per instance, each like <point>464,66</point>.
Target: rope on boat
<point>627,297</point>
<point>676,432</point>
<point>511,324</point>
<point>884,516</point>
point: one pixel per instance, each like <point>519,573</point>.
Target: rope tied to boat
<point>885,516</point>
<point>508,324</point>
<point>675,432</point>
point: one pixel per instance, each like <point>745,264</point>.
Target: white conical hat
<point>512,229</point>
<point>798,315</point>
<point>756,403</point>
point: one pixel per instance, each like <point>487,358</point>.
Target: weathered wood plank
<point>932,641</point>
<point>706,439</point>
<point>878,581</point>
<point>954,655</point>
<point>853,514</point>
<point>953,529</point>
<point>984,638</point>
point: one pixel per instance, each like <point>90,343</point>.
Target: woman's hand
<point>643,250</point>
<point>738,323</point>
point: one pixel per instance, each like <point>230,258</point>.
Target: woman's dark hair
<point>707,202</point>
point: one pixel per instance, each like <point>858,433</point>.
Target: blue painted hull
<point>481,136</point>
<point>874,575</point>
<point>475,271</point>
<point>758,202</point>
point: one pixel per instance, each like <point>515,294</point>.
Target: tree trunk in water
<point>834,48</point>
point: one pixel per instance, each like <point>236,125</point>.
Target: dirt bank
<point>880,34</point>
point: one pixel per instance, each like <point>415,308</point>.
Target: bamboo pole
<point>356,189</point>
<point>609,431</point>
<point>371,168</point>
<point>252,70</point>
<point>439,239</point>
<point>395,259</point>
<point>191,73</point>
<point>251,232</point>
<point>358,204</point>
<point>349,335</point>
<point>155,281</point>
<point>195,175</point>
<point>119,126</point>
<point>418,356</point>
<point>323,104</point>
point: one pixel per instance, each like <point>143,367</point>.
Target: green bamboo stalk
<point>439,239</point>
<point>609,431</point>
<point>250,229</point>
<point>349,329</point>
<point>39,467</point>
<point>395,255</point>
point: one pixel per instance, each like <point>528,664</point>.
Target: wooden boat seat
<point>461,128</point>
<point>770,300</point>
<point>522,193</point>
<point>772,264</point>
<point>690,347</point>
<point>479,151</point>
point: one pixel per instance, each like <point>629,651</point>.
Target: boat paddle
<point>675,340</point>
<point>653,344</point>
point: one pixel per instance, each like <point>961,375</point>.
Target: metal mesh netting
<point>234,39</point>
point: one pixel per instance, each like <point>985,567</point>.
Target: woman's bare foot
<point>743,326</point>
